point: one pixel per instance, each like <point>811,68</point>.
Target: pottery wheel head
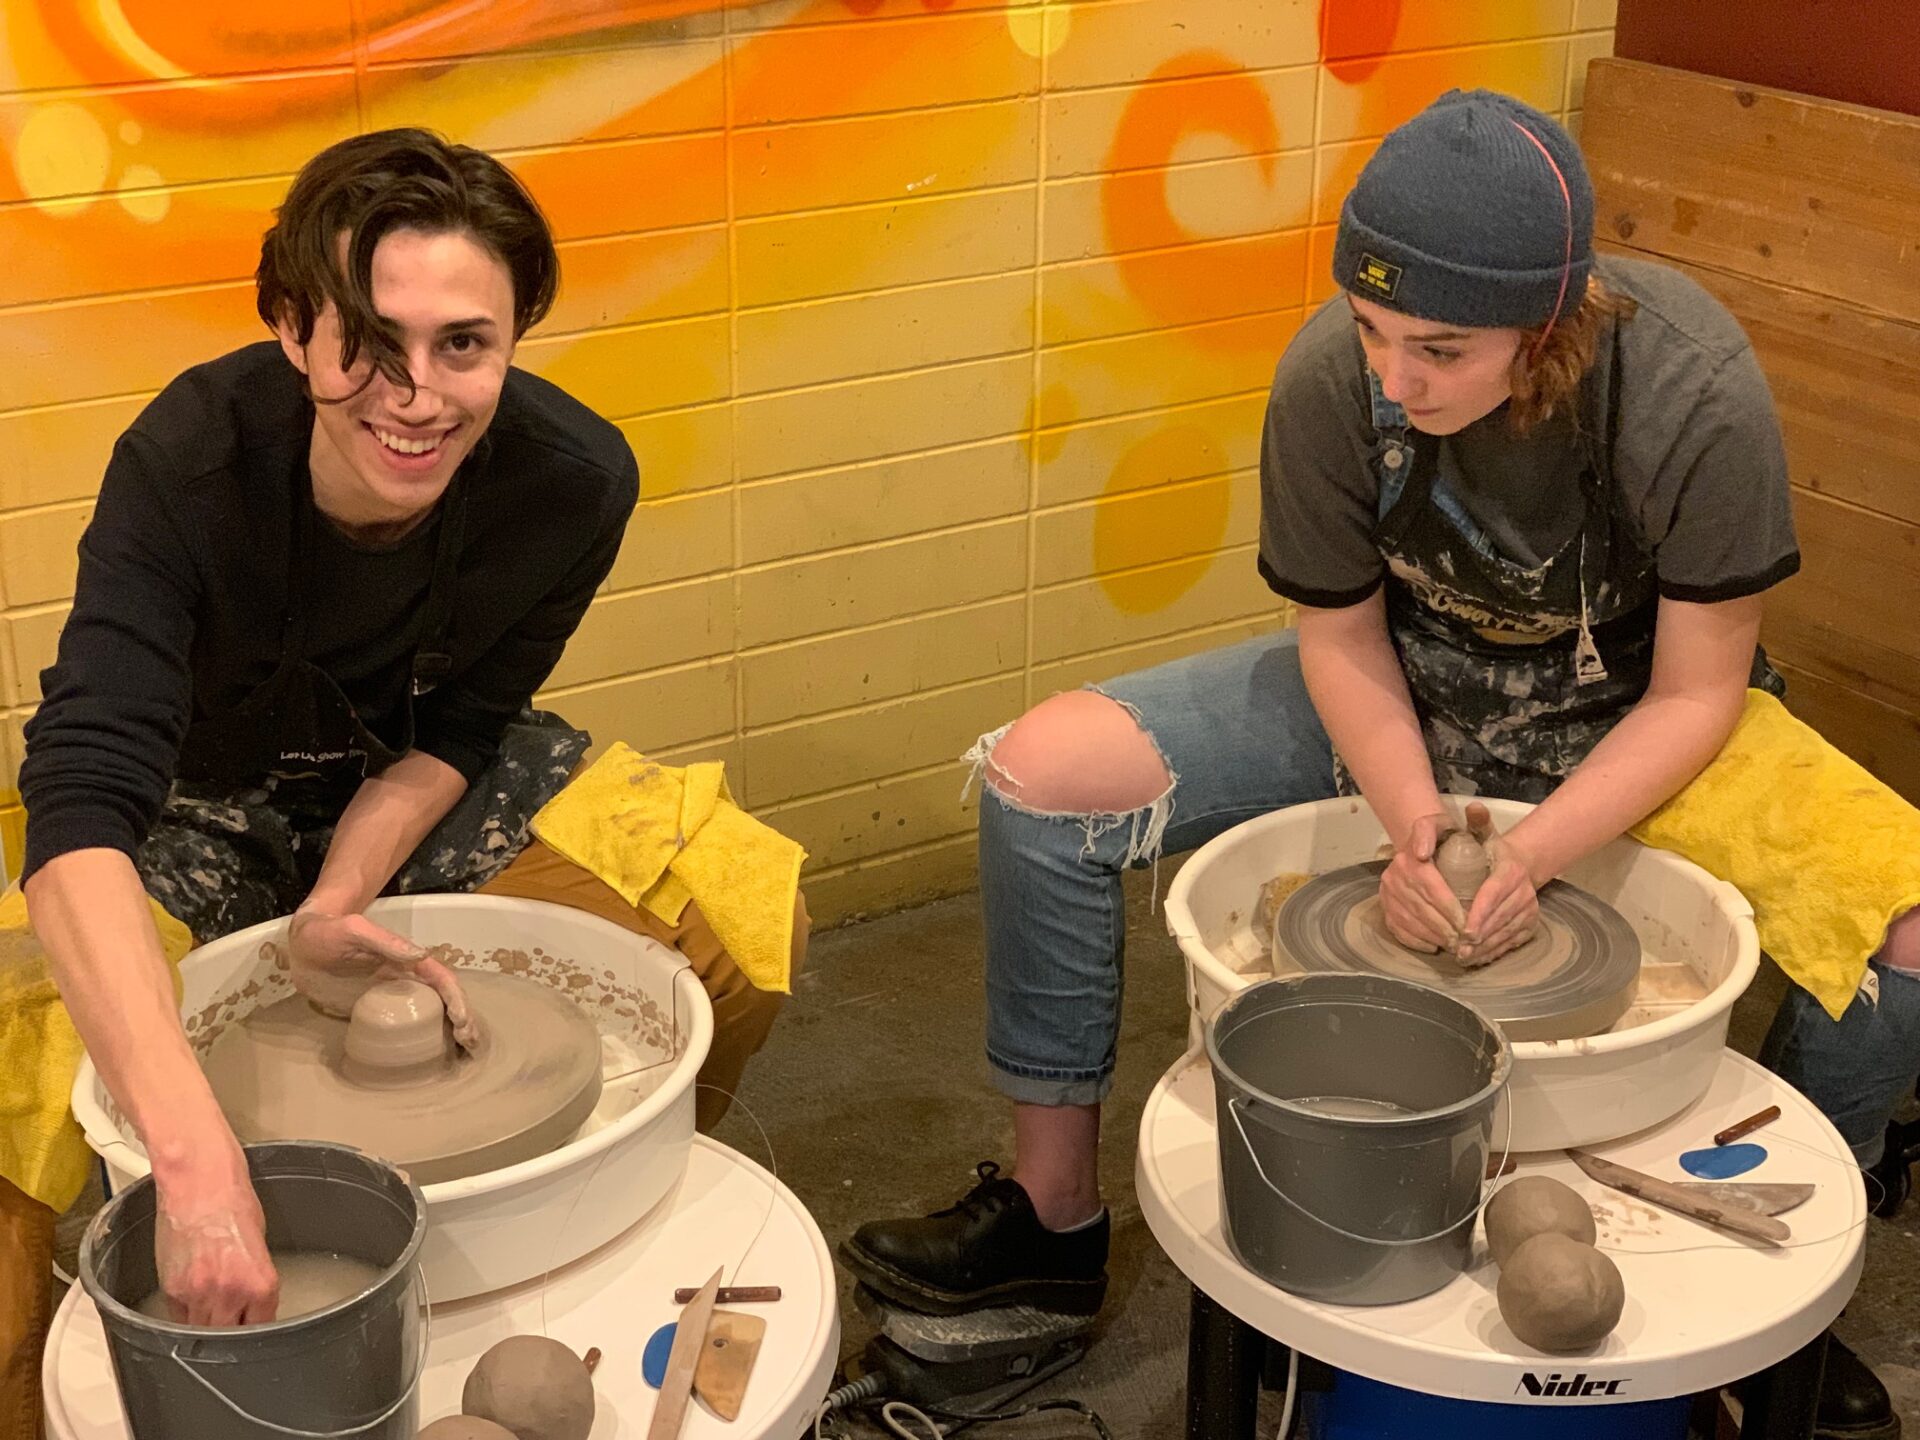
<point>1574,978</point>
<point>389,1082</point>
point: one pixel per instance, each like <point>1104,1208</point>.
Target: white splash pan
<point>499,1228</point>
<point>1658,1060</point>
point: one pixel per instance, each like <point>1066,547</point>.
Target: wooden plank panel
<point>1853,613</point>
<point>1808,193</point>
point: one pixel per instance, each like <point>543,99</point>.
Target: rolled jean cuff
<point>1030,1087</point>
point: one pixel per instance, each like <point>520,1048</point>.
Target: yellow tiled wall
<point>940,328</point>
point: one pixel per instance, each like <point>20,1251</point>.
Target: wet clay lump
<point>535,1387</point>
<point>1535,1205</point>
<point>1558,1295</point>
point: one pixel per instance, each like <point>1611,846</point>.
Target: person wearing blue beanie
<point>1525,500</point>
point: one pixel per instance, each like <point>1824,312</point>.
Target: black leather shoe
<point>990,1249</point>
<point>1854,1405</point>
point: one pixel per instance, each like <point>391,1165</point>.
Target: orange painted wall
<point>940,328</point>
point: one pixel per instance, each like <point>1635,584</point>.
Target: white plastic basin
<point>496,1229</point>
<point>1655,1063</point>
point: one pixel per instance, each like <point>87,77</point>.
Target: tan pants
<point>742,1018</point>
<point>742,1015</point>
<point>26,1308</point>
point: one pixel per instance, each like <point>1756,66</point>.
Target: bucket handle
<point>412,1386</point>
<point>1233,1109</point>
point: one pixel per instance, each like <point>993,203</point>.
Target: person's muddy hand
<point>1420,910</point>
<point>1505,912</point>
<point>210,1244</point>
<point>336,957</point>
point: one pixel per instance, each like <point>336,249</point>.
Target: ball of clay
<point>1534,1205</point>
<point>1462,862</point>
<point>464,1427</point>
<point>1558,1295</point>
<point>535,1387</point>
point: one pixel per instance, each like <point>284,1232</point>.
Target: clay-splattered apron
<point>258,788</point>
<point>1516,671</point>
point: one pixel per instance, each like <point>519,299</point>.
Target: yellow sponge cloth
<point>1827,855</point>
<point>41,1148</point>
<point>662,835</point>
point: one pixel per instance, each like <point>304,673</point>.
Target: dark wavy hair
<point>405,179</point>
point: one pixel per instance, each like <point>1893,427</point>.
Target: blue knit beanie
<point>1460,217</point>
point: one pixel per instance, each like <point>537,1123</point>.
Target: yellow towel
<point>662,835</point>
<point>41,1148</point>
<point>1827,855</point>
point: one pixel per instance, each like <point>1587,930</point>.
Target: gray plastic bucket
<point>352,1369</point>
<point>1356,1117</point>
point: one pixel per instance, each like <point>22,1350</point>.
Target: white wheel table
<point>725,1211</point>
<point>1704,1309</point>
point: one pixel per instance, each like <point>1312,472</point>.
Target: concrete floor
<point>874,1095</point>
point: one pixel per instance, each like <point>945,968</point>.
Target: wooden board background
<point>1803,216</point>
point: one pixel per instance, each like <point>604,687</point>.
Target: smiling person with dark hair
<point>325,576</point>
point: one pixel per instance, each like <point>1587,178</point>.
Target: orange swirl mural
<point>941,328</point>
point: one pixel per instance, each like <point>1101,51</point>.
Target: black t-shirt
<point>186,568</point>
<point>1697,456</point>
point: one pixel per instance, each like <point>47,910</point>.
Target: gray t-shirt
<point>1697,457</point>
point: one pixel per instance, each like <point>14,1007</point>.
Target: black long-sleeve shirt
<point>186,567</point>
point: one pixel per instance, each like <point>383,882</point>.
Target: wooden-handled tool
<point>1737,1218</point>
<point>689,1341</point>
<point>1740,1129</point>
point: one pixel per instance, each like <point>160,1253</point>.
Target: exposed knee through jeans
<point>1238,737</point>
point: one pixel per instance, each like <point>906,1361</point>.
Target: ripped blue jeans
<point>1241,738</point>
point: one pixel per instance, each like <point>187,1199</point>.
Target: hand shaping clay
<point>465,1427</point>
<point>1559,1295</point>
<point>1535,1205</point>
<point>1463,864</point>
<point>535,1387</point>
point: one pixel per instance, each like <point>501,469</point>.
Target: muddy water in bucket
<point>1356,1117</point>
<point>351,1369</point>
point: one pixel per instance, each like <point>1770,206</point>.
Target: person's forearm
<point>91,914</point>
<point>1361,696</point>
<point>1644,761</point>
<point>388,817</point>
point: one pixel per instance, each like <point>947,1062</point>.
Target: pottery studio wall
<point>940,328</point>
